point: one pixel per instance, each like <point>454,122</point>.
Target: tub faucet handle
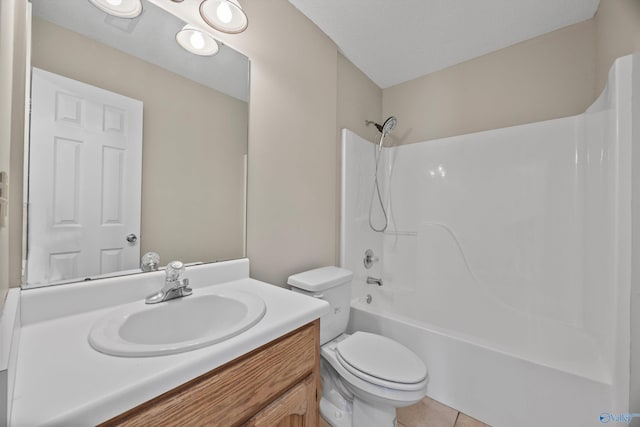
<point>369,259</point>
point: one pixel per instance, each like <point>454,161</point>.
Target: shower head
<point>386,127</point>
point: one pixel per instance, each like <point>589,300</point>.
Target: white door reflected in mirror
<point>85,166</point>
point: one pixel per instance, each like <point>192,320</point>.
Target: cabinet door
<point>295,408</point>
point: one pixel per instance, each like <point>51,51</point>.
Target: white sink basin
<point>175,326</point>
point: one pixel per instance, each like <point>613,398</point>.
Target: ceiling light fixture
<point>119,8</point>
<point>224,15</point>
<point>195,41</point>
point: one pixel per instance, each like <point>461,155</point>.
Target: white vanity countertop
<point>62,380</point>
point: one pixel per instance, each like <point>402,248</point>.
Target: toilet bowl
<point>380,385</point>
<point>365,376</point>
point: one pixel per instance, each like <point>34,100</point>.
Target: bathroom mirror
<point>193,121</point>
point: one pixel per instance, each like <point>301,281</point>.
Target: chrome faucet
<point>374,281</point>
<point>174,285</point>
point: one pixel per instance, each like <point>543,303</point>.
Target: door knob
<point>132,238</point>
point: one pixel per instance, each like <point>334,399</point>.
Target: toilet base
<point>333,415</point>
<point>360,414</point>
<point>367,415</point>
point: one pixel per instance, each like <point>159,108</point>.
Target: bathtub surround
<point>536,282</point>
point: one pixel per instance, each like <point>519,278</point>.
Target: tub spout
<point>374,281</point>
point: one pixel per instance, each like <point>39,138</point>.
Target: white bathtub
<point>507,262</point>
<point>498,388</point>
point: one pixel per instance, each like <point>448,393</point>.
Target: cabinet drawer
<point>232,393</point>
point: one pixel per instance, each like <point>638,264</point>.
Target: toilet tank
<point>332,284</point>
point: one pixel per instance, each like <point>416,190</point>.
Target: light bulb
<point>226,16</point>
<point>114,2</point>
<point>196,40</point>
<point>224,12</point>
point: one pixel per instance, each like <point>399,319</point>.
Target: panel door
<point>85,171</point>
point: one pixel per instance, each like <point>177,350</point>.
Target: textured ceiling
<point>393,41</point>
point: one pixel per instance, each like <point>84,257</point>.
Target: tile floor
<point>429,413</point>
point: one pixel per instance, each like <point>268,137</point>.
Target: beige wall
<point>194,142</point>
<point>555,75</point>
<point>359,99</point>
<point>6,71</point>
<point>12,85</point>
<point>292,198</point>
<point>617,25</point>
<point>302,90</point>
<point>543,78</point>
<point>17,143</point>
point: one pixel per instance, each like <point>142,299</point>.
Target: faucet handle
<point>174,271</point>
<point>369,259</point>
<point>150,261</point>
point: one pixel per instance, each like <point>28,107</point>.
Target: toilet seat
<point>378,381</point>
<point>371,389</point>
<point>381,361</point>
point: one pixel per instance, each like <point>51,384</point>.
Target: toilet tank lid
<point>320,279</point>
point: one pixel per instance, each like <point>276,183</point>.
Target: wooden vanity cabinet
<point>274,385</point>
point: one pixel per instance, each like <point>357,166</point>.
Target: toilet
<point>365,376</point>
